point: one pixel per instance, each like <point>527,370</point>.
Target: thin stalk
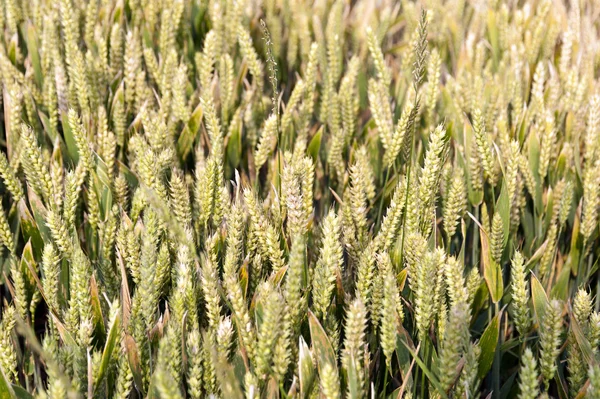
<point>387,176</point>
<point>385,377</point>
<point>497,358</point>
<point>597,304</point>
<point>427,360</point>
<point>408,176</point>
<point>475,241</point>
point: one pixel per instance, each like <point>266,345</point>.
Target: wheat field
<point>299,199</point>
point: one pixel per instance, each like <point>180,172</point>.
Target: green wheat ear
<point>520,294</point>
<point>550,339</point>
<point>528,384</point>
<point>247,199</point>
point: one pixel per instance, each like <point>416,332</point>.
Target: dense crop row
<point>299,199</point>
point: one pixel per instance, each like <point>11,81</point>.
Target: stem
<point>408,173</point>
<point>427,360</point>
<point>497,358</point>
<point>475,241</point>
<point>597,305</point>
<point>387,176</point>
<point>385,377</point>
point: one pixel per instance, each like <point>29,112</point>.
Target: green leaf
<point>65,335</point>
<point>492,29</point>
<point>339,285</point>
<point>551,202</point>
<point>576,245</point>
<point>117,13</point>
<point>475,196</point>
<point>430,376</point>
<point>560,290</point>
<point>508,389</point>
<point>133,358</point>
<point>569,123</point>
<point>28,265</point>
<point>6,389</point>
<point>315,145</point>
<point>31,39</point>
<point>239,367</point>
<point>353,381</point>
<point>153,391</point>
<point>98,319</point>
<point>537,255</point>
<point>21,393</point>
<point>277,278</point>
<point>503,207</point>
<point>102,183</point>
<point>29,228</point>
<point>481,298</point>
<point>228,383</point>
<point>534,167</point>
<point>185,142</point>
<point>584,345</point>
<point>131,178</point>
<point>320,342</point>
<point>39,214</point>
<point>562,163</point>
<point>491,270</point>
<point>46,125</point>
<point>12,50</point>
<point>243,278</point>
<point>403,341</point>
<point>487,344</point>
<point>109,347</point>
<point>530,236</point>
<point>401,279</point>
<point>539,297</point>
<point>272,389</point>
<point>561,385</point>
<point>69,139</point>
<point>234,144</point>
<point>306,369</point>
